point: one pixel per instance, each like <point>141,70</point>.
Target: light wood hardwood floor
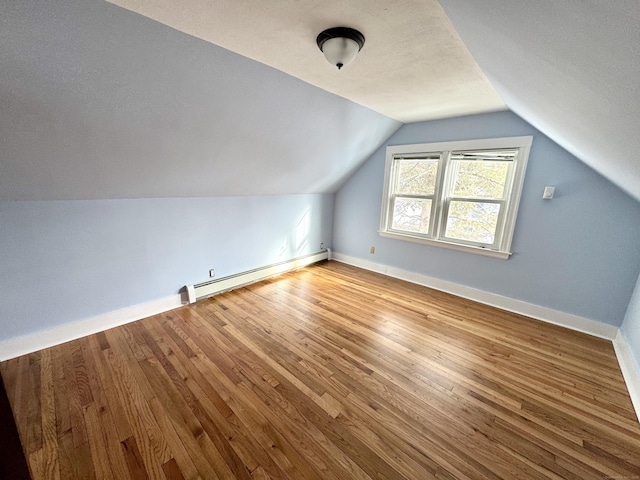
<point>329,372</point>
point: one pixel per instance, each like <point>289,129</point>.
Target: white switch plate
<point>548,193</point>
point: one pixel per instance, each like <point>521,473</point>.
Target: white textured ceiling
<point>412,67</point>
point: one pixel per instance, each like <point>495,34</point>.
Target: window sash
<point>392,201</point>
<point>499,223</point>
<point>454,165</point>
<point>393,189</point>
<point>454,161</point>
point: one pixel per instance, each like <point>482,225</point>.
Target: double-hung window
<point>461,195</point>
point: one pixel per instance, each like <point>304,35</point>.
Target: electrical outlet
<point>322,246</point>
<point>372,249</point>
<point>212,272</point>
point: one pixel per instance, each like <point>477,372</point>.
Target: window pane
<point>473,221</point>
<point>417,177</point>
<point>411,214</point>
<point>480,179</point>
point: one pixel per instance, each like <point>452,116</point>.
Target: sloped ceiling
<point>99,102</point>
<point>570,68</point>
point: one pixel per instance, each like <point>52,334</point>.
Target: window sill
<point>452,246</point>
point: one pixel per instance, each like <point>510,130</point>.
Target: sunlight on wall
<point>297,241</point>
<point>302,231</point>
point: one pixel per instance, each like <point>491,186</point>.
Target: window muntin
<point>461,194</point>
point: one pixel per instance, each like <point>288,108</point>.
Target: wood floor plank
<point>33,442</point>
<point>106,462</point>
<point>304,435</point>
<point>106,378</point>
<point>270,460</point>
<point>327,373</point>
<point>230,457</point>
<point>76,416</point>
<point>146,435</point>
<point>251,413</point>
<point>172,470</point>
<point>218,424</point>
<point>60,395</point>
<point>75,461</point>
<point>197,437</point>
<point>182,457</point>
<point>51,466</point>
<point>134,459</point>
<point>99,417</point>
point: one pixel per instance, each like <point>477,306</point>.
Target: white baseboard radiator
<point>224,284</point>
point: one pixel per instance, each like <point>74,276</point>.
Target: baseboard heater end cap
<point>191,293</point>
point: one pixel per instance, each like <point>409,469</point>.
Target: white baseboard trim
<point>568,320</point>
<point>629,369</point>
<point>15,347</point>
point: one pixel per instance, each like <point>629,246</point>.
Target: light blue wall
<point>631,325</point>
<point>577,253</point>
<point>64,261</point>
<point>98,102</point>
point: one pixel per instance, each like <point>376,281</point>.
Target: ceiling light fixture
<point>340,45</point>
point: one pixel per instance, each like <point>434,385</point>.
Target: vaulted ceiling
<point>99,102</point>
<point>570,68</point>
<point>234,98</point>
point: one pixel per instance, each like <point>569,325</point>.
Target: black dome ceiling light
<point>340,45</point>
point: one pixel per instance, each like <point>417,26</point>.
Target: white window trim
<point>504,244</point>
